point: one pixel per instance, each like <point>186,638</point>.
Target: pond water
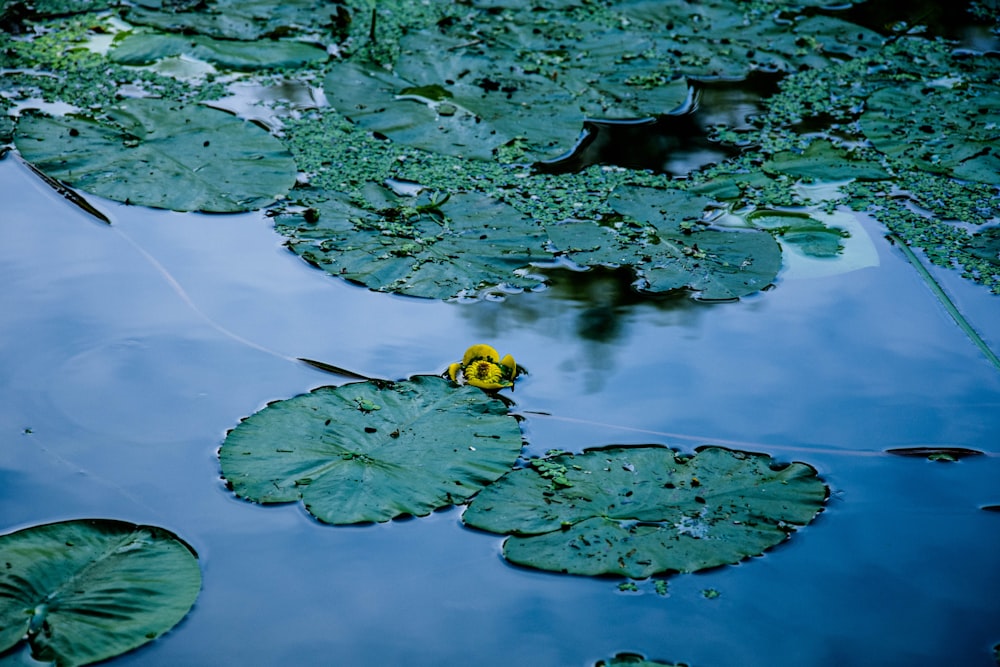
<point>128,351</point>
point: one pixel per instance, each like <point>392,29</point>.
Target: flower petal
<point>508,362</point>
<point>480,351</point>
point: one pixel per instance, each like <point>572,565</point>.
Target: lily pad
<point>942,129</point>
<point>670,249</point>
<point>986,246</point>
<point>822,161</point>
<point>372,451</point>
<point>140,48</point>
<point>639,511</point>
<point>635,660</point>
<point>727,38</point>
<point>87,590</point>
<point>239,19</point>
<point>162,154</point>
<point>416,246</point>
<point>459,97</point>
<point>804,232</point>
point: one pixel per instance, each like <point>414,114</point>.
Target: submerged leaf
<point>419,247</point>
<point>638,511</point>
<point>88,590</point>
<point>372,451</point>
<point>162,154</point>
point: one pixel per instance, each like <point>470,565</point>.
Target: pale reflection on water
<point>128,351</point>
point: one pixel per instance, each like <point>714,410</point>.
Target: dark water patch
<point>677,142</point>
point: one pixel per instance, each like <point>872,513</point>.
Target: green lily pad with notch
<point>670,249</point>
<point>416,247</point>
<point>143,48</point>
<point>640,511</point>
<point>372,451</point>
<point>822,161</point>
<point>939,129</point>
<point>87,590</point>
<point>804,232</point>
<point>162,154</point>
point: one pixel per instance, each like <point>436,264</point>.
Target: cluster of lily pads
<point>84,590</point>
<point>419,103</point>
<point>423,165</point>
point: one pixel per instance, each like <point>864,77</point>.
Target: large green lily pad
<point>942,129</point>
<point>639,511</point>
<point>162,154</point>
<point>142,48</point>
<point>87,590</point>
<point>372,451</point>
<point>416,246</point>
<point>670,249</point>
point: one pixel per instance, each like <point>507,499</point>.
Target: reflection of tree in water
<point>585,315</point>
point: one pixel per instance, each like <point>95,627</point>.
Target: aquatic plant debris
<point>87,590</point>
<point>482,367</point>
<point>372,451</point>
<point>640,511</point>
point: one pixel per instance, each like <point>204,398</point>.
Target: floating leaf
<point>146,48</point>
<point>806,233</point>
<point>87,590</point>
<point>822,161</point>
<point>158,153</point>
<point>675,251</point>
<point>639,511</point>
<point>635,660</point>
<point>723,38</point>
<point>372,451</point>
<point>238,19</point>
<point>945,454</point>
<point>419,247</point>
<point>937,128</point>
<point>986,246</point>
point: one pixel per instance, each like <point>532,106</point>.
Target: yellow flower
<point>482,367</point>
